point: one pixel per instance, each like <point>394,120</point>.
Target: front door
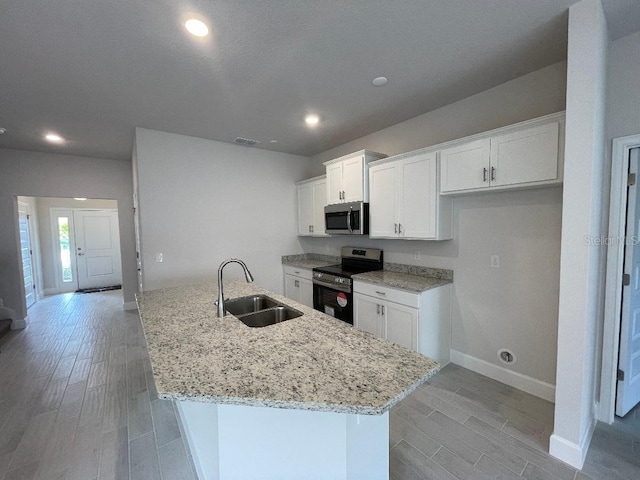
<point>26,253</point>
<point>628,391</point>
<point>97,243</point>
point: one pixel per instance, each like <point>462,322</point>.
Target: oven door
<point>335,303</point>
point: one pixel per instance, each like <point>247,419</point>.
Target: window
<point>65,249</point>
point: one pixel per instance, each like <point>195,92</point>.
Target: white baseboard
<point>129,306</point>
<point>18,324</point>
<point>570,452</point>
<point>517,380</point>
<point>51,291</point>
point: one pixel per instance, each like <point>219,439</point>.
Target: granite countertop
<point>401,280</point>
<point>309,261</point>
<point>313,362</point>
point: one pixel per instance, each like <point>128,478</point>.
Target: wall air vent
<point>246,141</point>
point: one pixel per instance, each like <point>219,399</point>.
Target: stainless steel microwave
<point>347,218</point>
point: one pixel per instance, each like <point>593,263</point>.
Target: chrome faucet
<point>247,275</point>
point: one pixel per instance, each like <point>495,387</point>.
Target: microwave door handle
<point>349,221</point>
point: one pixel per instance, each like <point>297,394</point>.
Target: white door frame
<point>615,261</point>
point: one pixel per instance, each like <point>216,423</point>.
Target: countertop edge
<point>326,407</point>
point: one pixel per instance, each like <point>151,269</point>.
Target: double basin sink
<point>260,310</point>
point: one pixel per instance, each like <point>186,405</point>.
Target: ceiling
<point>93,70</point>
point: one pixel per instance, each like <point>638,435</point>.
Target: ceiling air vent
<point>246,141</point>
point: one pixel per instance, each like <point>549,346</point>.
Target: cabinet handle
<point>311,228</point>
<point>344,196</point>
<point>377,309</point>
<point>297,283</point>
<point>382,307</point>
<point>399,228</point>
<point>381,293</point>
<point>296,272</point>
<point>493,173</point>
<point>484,174</point>
<point>395,228</point>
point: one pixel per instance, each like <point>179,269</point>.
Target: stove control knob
<point>340,280</point>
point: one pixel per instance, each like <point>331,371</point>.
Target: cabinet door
<point>305,209</point>
<point>383,220</point>
<point>319,202</point>
<point>334,183</point>
<point>291,287</point>
<point>366,315</point>
<point>401,325</point>
<point>305,291</point>
<point>529,155</point>
<point>417,197</point>
<point>465,166</point>
<point>352,179</point>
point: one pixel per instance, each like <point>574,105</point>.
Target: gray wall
<point>515,306</point>
<point>50,175</point>
<point>48,256</point>
<point>202,201</point>
<point>623,87</point>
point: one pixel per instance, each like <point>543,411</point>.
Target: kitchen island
<point>305,398</point>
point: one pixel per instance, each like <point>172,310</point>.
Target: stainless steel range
<point>332,285</point>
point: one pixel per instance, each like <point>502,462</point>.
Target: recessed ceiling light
<point>53,138</point>
<point>196,27</point>
<point>380,81</point>
<point>312,120</point>
<point>273,141</point>
<point>3,131</point>
<point>82,199</point>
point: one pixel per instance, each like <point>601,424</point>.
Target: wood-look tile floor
<point>462,425</point>
<point>77,401</point>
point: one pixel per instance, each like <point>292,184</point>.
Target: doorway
<point>86,243</point>
<point>620,379</point>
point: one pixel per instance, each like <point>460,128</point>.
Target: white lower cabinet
<point>298,285</point>
<point>417,321</point>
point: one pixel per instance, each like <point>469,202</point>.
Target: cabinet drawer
<point>389,294</point>
<point>298,272</point>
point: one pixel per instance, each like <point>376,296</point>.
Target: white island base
<point>242,442</point>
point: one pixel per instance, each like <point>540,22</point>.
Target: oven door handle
<point>333,286</point>
<point>349,220</point>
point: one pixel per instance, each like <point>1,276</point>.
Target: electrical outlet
<point>495,261</point>
<point>416,255</point>
<point>159,258</point>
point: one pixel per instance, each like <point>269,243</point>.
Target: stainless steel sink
<point>250,304</point>
<point>260,310</point>
<point>269,317</point>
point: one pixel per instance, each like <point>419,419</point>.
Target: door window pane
<point>65,251</point>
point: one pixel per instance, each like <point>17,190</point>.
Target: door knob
<point>80,254</point>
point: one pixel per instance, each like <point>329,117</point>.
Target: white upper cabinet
<point>465,166</point>
<point>404,200</point>
<point>348,177</point>
<point>311,202</point>
<point>527,154</point>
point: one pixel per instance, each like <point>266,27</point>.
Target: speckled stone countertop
<point>403,281</point>
<point>309,260</point>
<point>313,362</point>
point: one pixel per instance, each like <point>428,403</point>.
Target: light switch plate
<point>495,261</point>
<point>159,258</point>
